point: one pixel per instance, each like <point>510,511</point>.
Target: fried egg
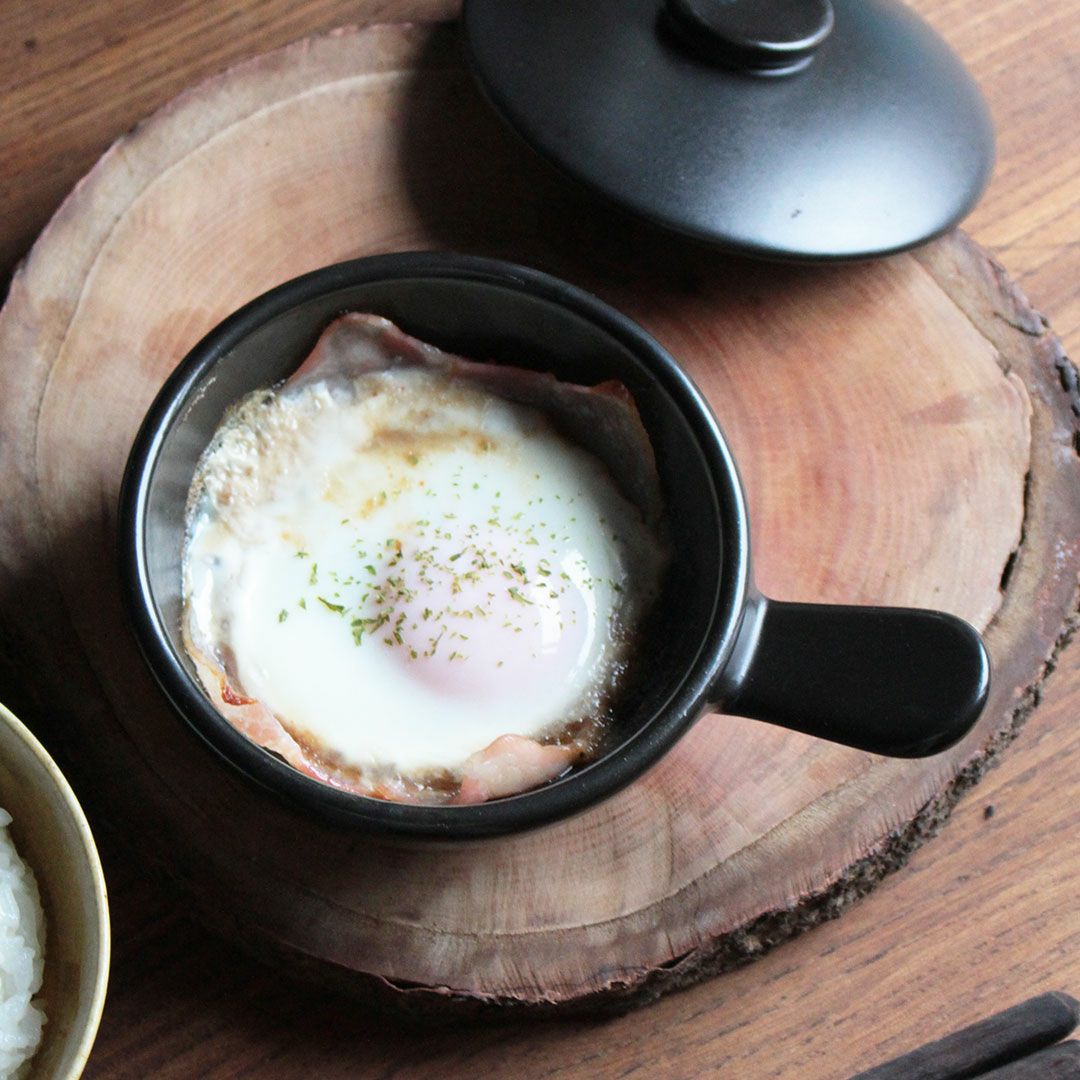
<point>402,569</point>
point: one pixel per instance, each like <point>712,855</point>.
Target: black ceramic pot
<point>899,682</point>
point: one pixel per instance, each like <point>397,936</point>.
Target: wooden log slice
<point>906,431</point>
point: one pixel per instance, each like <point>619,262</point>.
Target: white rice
<point>22,932</point>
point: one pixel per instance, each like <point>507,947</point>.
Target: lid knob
<point>767,37</point>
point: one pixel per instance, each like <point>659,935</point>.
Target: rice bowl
<point>50,833</point>
<point>22,932</point>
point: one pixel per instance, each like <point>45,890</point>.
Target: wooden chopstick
<point>1006,1043</point>
<point>1061,1062</point>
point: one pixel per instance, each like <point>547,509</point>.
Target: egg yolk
<point>483,620</point>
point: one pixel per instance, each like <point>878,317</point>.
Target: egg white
<point>404,569</point>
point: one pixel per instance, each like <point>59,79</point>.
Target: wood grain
<point>876,473</point>
<point>1016,887</point>
<point>980,919</point>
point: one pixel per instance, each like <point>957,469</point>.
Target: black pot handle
<point>895,681</point>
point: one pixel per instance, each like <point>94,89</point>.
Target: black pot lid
<point>795,129</point>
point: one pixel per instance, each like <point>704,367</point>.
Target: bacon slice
<point>512,763</point>
<point>249,716</point>
<point>602,419</point>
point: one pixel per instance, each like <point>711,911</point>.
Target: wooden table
<point>983,916</point>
